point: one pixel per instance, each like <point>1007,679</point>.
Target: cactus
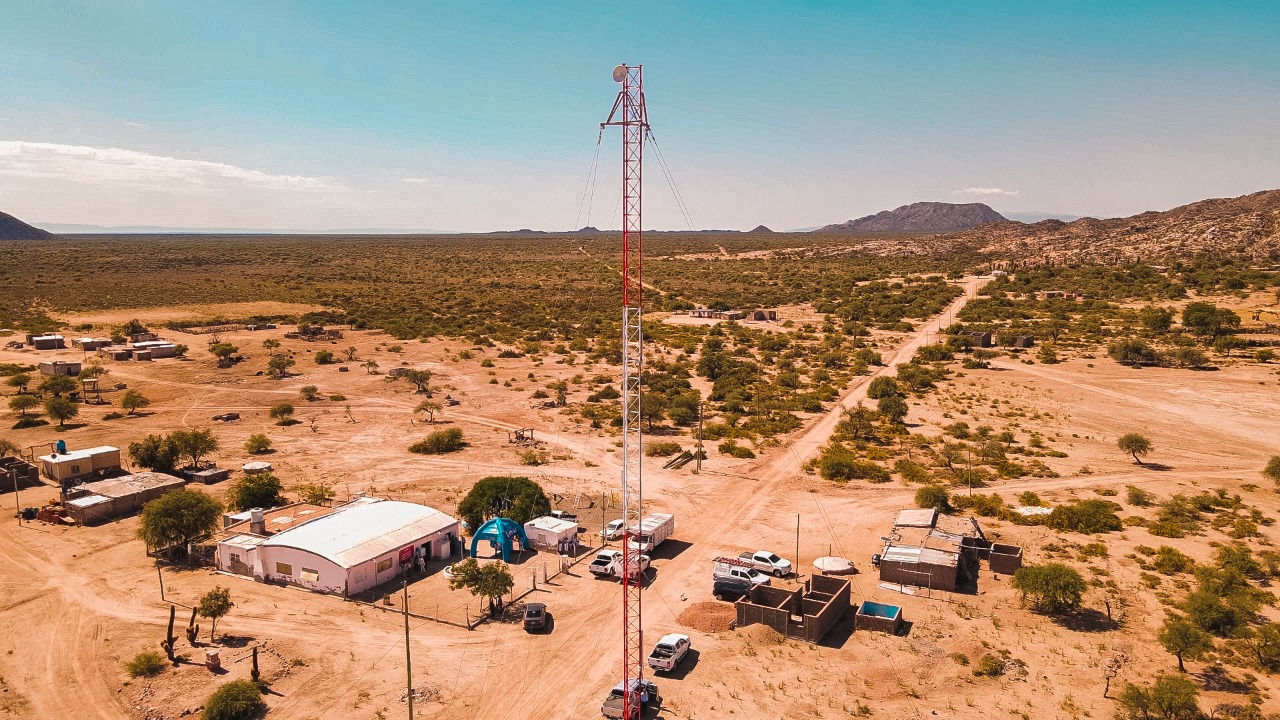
<point>193,630</point>
<point>167,645</point>
<point>254,672</point>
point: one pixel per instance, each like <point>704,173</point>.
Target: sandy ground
<point>77,602</point>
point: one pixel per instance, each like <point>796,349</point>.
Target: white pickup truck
<point>608,563</point>
<point>767,562</point>
<point>738,568</point>
<point>668,653</point>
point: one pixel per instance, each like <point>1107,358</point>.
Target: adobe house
<point>66,468</point>
<point>765,315</point>
<point>107,499</point>
<point>806,613</point>
<point>980,339</point>
<point>16,473</point>
<point>60,367</point>
<point>46,342</point>
<point>941,552</point>
<point>1018,341</point>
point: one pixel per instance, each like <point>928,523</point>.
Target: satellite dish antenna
<point>620,73</point>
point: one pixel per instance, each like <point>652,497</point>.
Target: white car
<point>614,530</point>
<point>768,562</point>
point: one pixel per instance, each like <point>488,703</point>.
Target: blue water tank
<point>62,446</point>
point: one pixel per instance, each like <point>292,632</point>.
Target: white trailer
<point>653,530</point>
<point>548,532</point>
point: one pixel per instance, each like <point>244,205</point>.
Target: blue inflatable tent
<point>501,532</point>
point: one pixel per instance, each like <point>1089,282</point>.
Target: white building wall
<point>328,576</point>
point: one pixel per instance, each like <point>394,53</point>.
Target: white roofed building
<point>356,547</point>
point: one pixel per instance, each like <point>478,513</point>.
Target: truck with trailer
<point>613,704</point>
<point>653,530</point>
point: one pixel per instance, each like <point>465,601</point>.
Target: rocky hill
<point>921,217</point>
<point>1247,226</point>
<point>11,228</point>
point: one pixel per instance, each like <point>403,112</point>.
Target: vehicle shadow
<point>670,549</point>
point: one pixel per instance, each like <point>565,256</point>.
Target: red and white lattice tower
<point>629,113</point>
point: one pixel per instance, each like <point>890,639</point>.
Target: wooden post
<point>408,660</point>
<point>795,568</point>
<point>698,458</point>
<point>17,506</point>
<point>161,576</point>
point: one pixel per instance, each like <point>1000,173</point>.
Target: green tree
<point>58,385</point>
<point>350,354</point>
<point>421,379</point>
<point>1204,318</point>
<point>180,350</point>
<point>257,444</point>
<point>194,444</point>
<point>491,580</point>
<point>1047,355</point>
<point>178,517</point>
<point>1171,697</point>
<point>133,401</point>
<point>653,408</point>
<point>1184,639</point>
<point>893,408</point>
<point>236,700</point>
<point>19,381</point>
<point>882,386</point>
<point>1263,643</point>
<point>1085,516</point>
<point>370,366</point>
<point>430,407</point>
<point>1131,351</point>
<point>517,498</point>
<point>1265,355</point>
<point>225,352</point>
<point>9,449</point>
<point>282,413</point>
<point>22,403</point>
<point>440,442</point>
<point>1053,587</point>
<point>92,371</point>
<point>1271,471</point>
<point>1156,319</point>
<point>60,409</point>
<point>315,493</point>
<point>310,393</point>
<point>1136,445</point>
<point>155,452</point>
<point>214,605</point>
<point>260,490</point>
<point>270,343</point>
<point>324,357</point>
<point>934,496</point>
<point>1227,343</point>
<point>278,366</point>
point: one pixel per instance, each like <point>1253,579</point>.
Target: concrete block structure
<point>70,368</point>
<point>806,613</point>
<point>68,468</point>
<point>878,617</point>
<point>108,499</point>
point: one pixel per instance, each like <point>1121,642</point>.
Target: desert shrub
<point>113,416</point>
<point>1272,470</point>
<point>310,393</point>
<point>1131,351</point>
<point>1169,561</point>
<point>959,658</point>
<point>237,700</point>
<point>1053,587</point>
<point>1091,550</point>
<point>1166,529</point>
<point>989,665</point>
<point>732,449</point>
<point>257,443</point>
<point>985,505</point>
<point>1170,697</point>
<point>282,413</point>
<point>1138,497</point>
<point>534,457</point>
<point>324,357</point>
<point>1030,498</point>
<point>146,664</point>
<point>1086,516</point>
<point>839,464</point>
<point>911,471</point>
<point>439,442</point>
<point>934,496</point>
<point>882,386</point>
<point>662,449</point>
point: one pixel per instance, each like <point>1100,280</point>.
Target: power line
<point>671,182</point>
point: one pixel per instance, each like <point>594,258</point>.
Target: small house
<point>66,468</point>
<point>548,532</point>
<point>115,353</point>
<point>107,499</point>
<point>46,342</point>
<point>764,315</point>
<point>980,339</point>
<point>89,344</point>
<point>1018,341</point>
<point>157,348</point>
<point>60,367</point>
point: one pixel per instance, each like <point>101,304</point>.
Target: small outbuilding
<point>66,468</point>
<point>501,533</point>
<point>107,499</point>
<point>157,348</point>
<point>806,613</point>
<point>70,368</point>
<point>548,532</point>
<point>46,342</point>
<point>88,344</point>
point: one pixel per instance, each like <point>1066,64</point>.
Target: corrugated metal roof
<point>88,501</point>
<point>899,553</point>
<point>913,554</point>
<point>126,485</point>
<point>363,530</point>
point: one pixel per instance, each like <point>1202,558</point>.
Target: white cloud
<point>79,163</point>
<point>985,191</point>
<point>136,124</point>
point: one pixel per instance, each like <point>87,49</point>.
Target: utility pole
<point>698,468</point>
<point>17,506</point>
<point>161,576</point>
<point>408,661</point>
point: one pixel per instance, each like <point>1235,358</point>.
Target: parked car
<point>608,563</point>
<point>227,417</point>
<point>734,567</point>
<point>563,515</point>
<point>767,562</point>
<point>612,706</point>
<point>668,653</point>
<point>535,617</point>
<point>731,588</point>
<point>614,529</point>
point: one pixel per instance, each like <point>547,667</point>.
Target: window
<point>75,468</point>
<point>310,575</point>
<point>284,569</point>
<point>235,558</point>
<point>384,565</point>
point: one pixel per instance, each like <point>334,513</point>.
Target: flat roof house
<point>67,467</point>
<point>107,499</point>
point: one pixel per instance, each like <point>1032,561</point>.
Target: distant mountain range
<point>78,229</point>
<point>921,217</point>
<point>1035,216</point>
<point>11,228</point>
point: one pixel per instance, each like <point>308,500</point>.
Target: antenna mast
<point>629,113</point>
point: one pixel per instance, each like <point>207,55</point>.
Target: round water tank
<point>256,515</point>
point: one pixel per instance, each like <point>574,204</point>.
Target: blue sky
<point>478,116</point>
